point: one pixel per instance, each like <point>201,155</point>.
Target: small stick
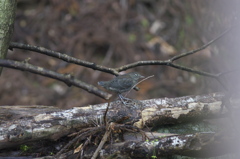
<point>138,83</point>
<point>104,139</point>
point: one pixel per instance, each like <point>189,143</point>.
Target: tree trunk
<point>7,17</point>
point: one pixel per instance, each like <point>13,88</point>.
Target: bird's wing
<point>124,83</point>
<point>119,84</point>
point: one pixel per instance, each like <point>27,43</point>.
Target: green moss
<point>145,23</point>
<point>24,148</point>
<point>189,20</point>
<point>132,38</point>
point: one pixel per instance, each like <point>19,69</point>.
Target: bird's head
<point>135,75</point>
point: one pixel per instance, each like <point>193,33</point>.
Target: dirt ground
<point>115,33</point>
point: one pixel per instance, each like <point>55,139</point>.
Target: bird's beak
<point>142,76</point>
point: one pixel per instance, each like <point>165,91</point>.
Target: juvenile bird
<point>122,83</point>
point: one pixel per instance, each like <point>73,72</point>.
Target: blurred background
<point>115,33</point>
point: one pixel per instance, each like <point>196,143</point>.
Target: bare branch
<point>193,71</point>
<point>141,63</point>
<point>200,48</point>
<point>167,63</point>
<point>66,78</point>
<point>62,56</point>
<point>115,71</point>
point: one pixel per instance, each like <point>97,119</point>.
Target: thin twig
<point>104,139</point>
<point>138,83</point>
<point>193,71</point>
<point>166,63</point>
<point>105,113</point>
<point>200,48</point>
<point>81,136</point>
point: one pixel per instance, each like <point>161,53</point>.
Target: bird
<point>121,83</point>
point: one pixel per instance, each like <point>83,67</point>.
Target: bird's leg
<point>125,97</point>
<point>124,100</point>
<point>130,102</point>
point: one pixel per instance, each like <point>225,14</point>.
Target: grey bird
<point>122,83</point>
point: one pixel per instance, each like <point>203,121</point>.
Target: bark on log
<point>193,145</point>
<point>21,124</point>
<point>164,145</point>
<point>28,124</point>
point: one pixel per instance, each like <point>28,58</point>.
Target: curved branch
<point>66,78</point>
<point>62,56</point>
<point>193,71</point>
<point>115,71</point>
<point>200,48</point>
<point>167,63</point>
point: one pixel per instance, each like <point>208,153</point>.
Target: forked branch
<point>115,71</point>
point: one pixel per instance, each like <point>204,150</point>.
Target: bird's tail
<point>102,83</point>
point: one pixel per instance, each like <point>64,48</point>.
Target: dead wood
<point>28,124</point>
<point>21,124</point>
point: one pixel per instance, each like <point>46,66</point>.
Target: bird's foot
<point>128,102</point>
